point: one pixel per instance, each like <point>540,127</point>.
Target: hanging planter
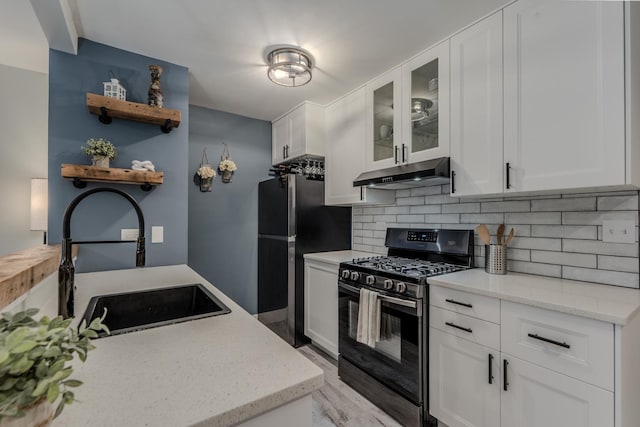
<point>227,166</point>
<point>205,173</point>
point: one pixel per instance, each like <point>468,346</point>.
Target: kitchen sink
<point>134,311</point>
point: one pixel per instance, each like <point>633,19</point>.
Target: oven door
<point>396,359</point>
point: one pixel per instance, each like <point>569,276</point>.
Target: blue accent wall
<point>223,223</point>
<point>102,215</point>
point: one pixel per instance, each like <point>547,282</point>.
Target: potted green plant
<point>100,151</point>
<point>34,369</point>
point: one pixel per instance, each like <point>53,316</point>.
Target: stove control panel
<point>422,236</point>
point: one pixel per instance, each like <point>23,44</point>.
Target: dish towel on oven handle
<point>368,318</point>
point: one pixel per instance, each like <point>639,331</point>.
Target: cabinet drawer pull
<point>505,384</point>
<point>395,153</point>
<point>453,325</point>
<point>490,368</point>
<point>550,341</point>
<point>453,182</point>
<point>508,173</point>
<point>464,304</point>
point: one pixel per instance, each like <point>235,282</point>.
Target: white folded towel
<point>368,318</point>
<point>145,165</point>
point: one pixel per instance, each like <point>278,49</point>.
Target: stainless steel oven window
<point>390,343</point>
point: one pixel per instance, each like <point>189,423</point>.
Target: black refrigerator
<point>292,221</point>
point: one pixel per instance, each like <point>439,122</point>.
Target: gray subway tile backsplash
<point>509,206</point>
<point>574,204</point>
<point>555,235</point>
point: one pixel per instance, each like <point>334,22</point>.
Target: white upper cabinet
<point>476,109</point>
<point>383,121</point>
<point>299,132</point>
<point>408,111</point>
<point>425,105</point>
<point>563,95</point>
<point>280,137</point>
<point>346,140</point>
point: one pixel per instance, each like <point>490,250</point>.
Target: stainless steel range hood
<point>420,174</point>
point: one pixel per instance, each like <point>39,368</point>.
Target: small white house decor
<point>113,89</point>
<point>226,166</point>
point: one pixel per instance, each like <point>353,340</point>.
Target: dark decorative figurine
<point>156,99</point>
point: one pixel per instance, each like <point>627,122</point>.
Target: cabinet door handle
<point>361,193</point>
<point>490,368</point>
<point>462,328</point>
<point>505,384</point>
<point>284,151</point>
<point>508,174</point>
<point>453,182</point>
<point>403,149</point>
<point>287,150</point>
<point>550,341</point>
<point>464,304</point>
<point>396,154</point>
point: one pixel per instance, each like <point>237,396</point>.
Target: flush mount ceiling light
<point>289,66</point>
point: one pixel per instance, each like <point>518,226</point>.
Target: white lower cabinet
<point>561,377</point>
<point>460,392</point>
<point>321,305</point>
<point>539,397</point>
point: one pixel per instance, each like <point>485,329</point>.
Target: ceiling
<point>223,42</point>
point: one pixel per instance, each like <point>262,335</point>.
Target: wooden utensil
<point>484,234</point>
<point>500,234</point>
<point>509,237</point>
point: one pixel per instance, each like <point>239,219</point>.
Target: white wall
<point>23,152</point>
<point>24,98</point>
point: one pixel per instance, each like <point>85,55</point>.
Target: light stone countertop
<point>216,371</point>
<point>601,302</point>
<point>336,257</point>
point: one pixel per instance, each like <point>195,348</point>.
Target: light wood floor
<point>337,404</point>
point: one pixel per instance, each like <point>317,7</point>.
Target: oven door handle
<point>386,298</point>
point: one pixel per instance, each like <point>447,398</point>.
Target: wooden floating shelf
<point>81,174</point>
<point>107,108</point>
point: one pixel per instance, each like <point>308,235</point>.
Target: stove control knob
<point>355,275</point>
<point>345,274</point>
<point>370,280</point>
<point>401,287</point>
<point>388,283</point>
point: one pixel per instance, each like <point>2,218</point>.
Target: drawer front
<point>475,330</point>
<point>572,345</point>
<point>479,306</point>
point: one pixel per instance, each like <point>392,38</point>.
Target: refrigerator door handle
<point>277,237</point>
<point>291,214</point>
<point>291,292</point>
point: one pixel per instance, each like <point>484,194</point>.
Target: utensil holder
<point>495,259</point>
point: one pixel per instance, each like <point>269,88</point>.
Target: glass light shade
<point>39,204</point>
<point>289,67</point>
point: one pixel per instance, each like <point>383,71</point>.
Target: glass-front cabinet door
<point>384,121</point>
<point>425,105</point>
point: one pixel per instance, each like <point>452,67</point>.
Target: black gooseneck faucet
<point>66,271</point>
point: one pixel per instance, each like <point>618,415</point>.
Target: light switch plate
<point>618,231</point>
<point>128,234</point>
<point>157,234</point>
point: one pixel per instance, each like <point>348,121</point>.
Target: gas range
<point>414,256</point>
<point>393,372</point>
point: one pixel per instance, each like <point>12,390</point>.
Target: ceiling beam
<point>57,23</point>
